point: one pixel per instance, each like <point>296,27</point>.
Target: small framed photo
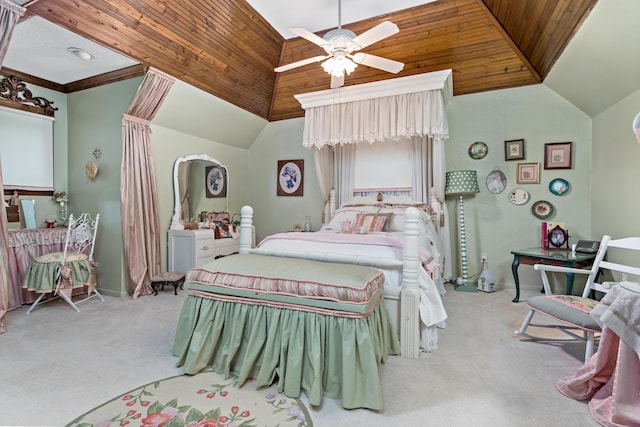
<point>289,180</point>
<point>528,173</point>
<point>557,155</point>
<point>514,149</point>
<point>215,181</point>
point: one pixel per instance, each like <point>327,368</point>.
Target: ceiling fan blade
<point>377,33</point>
<point>337,82</point>
<point>300,63</point>
<point>306,34</point>
<point>378,62</point>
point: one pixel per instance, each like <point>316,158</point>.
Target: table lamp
<point>462,183</point>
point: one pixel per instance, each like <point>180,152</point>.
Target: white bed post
<point>246,229</point>
<point>410,295</point>
<point>332,204</point>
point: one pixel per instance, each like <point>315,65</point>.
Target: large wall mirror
<point>200,184</point>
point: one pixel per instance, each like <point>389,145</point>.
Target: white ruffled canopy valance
<point>379,111</point>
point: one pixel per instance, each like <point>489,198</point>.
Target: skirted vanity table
<point>201,228</point>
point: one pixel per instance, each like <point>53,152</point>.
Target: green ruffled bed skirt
<point>304,352</point>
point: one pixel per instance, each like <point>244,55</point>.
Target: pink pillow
<point>371,222</point>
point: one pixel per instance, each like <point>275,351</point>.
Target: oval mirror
<point>200,183</point>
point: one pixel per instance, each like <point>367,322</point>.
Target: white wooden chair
<point>75,263</point>
<point>572,312</point>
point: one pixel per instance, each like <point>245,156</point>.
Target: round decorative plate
<point>478,150</point>
<point>559,186</point>
<point>542,209</point>
<point>518,196</point>
<point>496,181</point>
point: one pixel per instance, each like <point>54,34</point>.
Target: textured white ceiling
<point>39,48</point>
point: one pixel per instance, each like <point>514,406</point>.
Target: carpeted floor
<point>56,364</point>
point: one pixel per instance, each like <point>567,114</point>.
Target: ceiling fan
<point>340,45</point>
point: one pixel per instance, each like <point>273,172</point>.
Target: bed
<point>407,251</point>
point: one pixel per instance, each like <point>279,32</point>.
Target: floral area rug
<point>203,400</point>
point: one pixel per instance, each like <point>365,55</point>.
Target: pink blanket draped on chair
<point>611,377</point>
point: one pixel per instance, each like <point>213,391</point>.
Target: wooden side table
<point>168,278</point>
<point>559,257</point>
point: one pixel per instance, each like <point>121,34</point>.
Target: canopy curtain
<point>377,119</point>
<point>138,187</point>
<point>324,171</point>
<point>418,116</point>
<point>9,15</point>
<point>428,170</point>
<point>344,176</point>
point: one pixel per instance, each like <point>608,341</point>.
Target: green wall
<point>495,226</point>
<point>95,120</point>
<point>273,214</point>
<point>615,171</point>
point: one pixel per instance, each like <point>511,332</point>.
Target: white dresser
<point>189,248</point>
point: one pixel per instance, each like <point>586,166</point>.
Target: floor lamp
<point>462,183</point>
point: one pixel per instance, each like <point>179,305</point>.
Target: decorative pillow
<point>387,221</point>
<point>371,222</point>
<point>342,215</point>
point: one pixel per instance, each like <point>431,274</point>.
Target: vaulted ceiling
<point>229,50</point>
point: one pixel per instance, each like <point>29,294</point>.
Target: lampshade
<point>461,182</point>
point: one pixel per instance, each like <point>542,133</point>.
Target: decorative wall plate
<point>518,196</point>
<point>559,186</point>
<point>478,150</point>
<point>496,181</point>
<point>542,209</point>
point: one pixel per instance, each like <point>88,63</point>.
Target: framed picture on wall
<point>514,149</point>
<point>215,181</point>
<point>290,177</point>
<point>557,155</point>
<point>528,173</point>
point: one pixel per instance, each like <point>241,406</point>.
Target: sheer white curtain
<point>323,159</point>
<point>376,120</point>
<point>344,172</point>
<point>138,188</point>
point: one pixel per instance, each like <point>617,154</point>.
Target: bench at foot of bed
<point>312,327</point>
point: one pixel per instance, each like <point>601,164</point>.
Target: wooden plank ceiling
<point>226,48</point>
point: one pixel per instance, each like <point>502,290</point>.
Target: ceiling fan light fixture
<point>341,39</point>
<point>80,53</point>
<point>338,65</point>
